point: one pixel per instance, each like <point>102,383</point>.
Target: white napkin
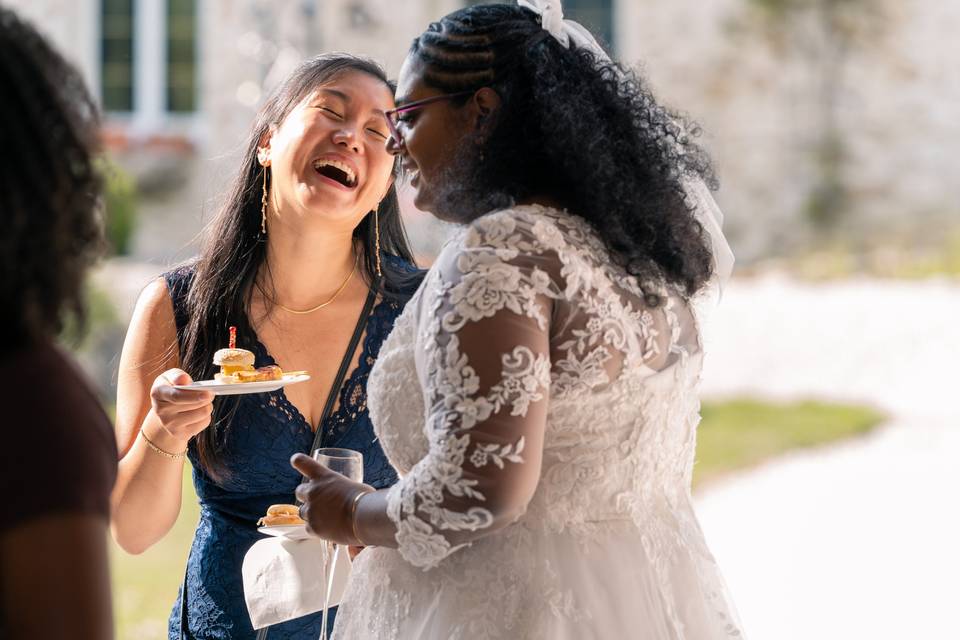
<point>284,579</point>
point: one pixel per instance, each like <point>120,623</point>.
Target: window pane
<point>116,55</point>
<point>181,56</point>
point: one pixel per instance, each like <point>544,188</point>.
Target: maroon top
<point>58,454</point>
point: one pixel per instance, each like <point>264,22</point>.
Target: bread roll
<point>281,514</point>
<point>233,358</point>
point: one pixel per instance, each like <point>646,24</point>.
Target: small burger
<point>280,514</point>
<point>231,362</point>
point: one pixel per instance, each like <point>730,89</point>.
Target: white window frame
<point>149,114</point>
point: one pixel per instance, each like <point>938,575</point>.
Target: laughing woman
<point>309,240</point>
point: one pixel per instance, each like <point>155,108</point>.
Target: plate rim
<point>197,385</point>
<point>290,529</point>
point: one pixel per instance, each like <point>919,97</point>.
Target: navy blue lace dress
<point>266,431</point>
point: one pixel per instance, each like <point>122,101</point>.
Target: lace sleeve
<point>487,373</point>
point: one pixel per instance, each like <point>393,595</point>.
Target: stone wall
<point>898,109</point>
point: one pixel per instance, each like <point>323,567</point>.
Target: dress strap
<point>345,363</point>
<point>179,281</point>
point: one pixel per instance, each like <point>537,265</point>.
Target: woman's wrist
<point>354,504</point>
<point>162,442</point>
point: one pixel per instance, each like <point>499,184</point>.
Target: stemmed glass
<point>347,463</point>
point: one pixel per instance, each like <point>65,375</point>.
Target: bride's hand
<point>328,500</point>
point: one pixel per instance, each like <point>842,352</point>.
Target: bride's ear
<point>486,103</point>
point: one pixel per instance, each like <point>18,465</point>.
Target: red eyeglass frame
<point>392,115</point>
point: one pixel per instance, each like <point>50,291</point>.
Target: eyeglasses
<point>393,115</point>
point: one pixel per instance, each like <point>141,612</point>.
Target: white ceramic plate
<point>235,388</point>
<point>292,531</point>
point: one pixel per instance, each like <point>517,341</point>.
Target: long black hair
<point>585,131</point>
<point>49,186</point>
<point>233,250</point>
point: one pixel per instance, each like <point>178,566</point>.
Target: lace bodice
<point>537,384</point>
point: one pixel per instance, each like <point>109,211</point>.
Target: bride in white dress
<point>539,393</point>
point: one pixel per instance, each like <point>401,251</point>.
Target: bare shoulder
<point>152,335</point>
<point>155,300</point>
<point>149,349</point>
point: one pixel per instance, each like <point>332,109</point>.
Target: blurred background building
<point>828,118</point>
<point>834,123</point>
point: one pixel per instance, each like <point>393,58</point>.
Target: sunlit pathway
<point>858,540</point>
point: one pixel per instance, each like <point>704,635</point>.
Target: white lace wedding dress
<point>543,417</point>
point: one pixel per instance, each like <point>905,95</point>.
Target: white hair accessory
<point>705,206</point>
<point>565,31</point>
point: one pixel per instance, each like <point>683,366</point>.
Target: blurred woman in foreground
<point>59,461</point>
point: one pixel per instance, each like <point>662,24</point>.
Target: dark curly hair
<point>585,131</point>
<point>49,186</point>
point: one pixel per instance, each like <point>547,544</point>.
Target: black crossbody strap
<point>345,364</point>
<point>337,383</point>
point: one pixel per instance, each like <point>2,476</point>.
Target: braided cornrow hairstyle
<point>49,186</point>
<point>584,131</point>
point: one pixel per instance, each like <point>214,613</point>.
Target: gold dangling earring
<point>263,205</point>
<point>376,226</point>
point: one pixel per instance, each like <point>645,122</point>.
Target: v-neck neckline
<point>348,381</point>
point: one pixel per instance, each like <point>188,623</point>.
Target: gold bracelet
<point>353,514</point>
<point>165,454</point>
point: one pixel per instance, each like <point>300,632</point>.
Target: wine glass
<point>347,463</point>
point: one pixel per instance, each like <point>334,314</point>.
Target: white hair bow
<point>565,31</point>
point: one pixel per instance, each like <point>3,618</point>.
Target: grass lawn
<point>145,586</point>
<point>733,435</point>
<point>743,433</point>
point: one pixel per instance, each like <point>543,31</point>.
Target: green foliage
<point>145,586</point>
<point>777,8</point>
<point>97,344</point>
<point>830,197</point>
<point>908,255</point>
<point>823,35</point>
<point>100,313</point>
<point>120,204</point>
<point>743,433</point>
<point>942,261</point>
<point>782,8</point>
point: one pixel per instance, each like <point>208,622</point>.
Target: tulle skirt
<point>611,579</point>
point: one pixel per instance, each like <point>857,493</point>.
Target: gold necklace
<point>322,304</point>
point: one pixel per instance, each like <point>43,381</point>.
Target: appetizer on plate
<point>281,514</point>
<point>236,365</point>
